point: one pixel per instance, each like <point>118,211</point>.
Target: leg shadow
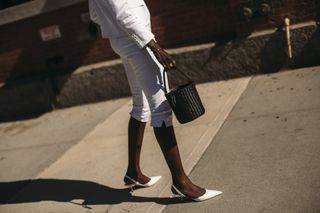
<point>27,191</point>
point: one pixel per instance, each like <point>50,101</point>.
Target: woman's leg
<point>143,66</point>
<point>150,74</point>
<point>135,138</point>
<point>140,114</point>
<point>167,141</point>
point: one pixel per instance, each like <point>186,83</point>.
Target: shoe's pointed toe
<point>153,180</point>
<point>208,195</point>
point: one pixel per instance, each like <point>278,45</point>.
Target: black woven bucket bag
<point>184,100</point>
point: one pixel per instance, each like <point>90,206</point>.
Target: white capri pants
<point>145,76</point>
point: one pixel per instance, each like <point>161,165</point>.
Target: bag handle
<point>164,78</point>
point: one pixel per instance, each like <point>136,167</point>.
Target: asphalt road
<point>266,156</point>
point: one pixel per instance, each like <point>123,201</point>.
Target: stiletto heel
<point>153,180</point>
<point>176,193</point>
<point>176,196</point>
<point>207,195</point>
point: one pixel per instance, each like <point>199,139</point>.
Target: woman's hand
<point>163,57</point>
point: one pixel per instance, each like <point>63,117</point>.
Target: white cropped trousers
<point>145,77</point>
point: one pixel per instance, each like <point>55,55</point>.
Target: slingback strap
<point>133,181</point>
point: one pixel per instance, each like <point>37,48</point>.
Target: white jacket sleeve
<point>130,21</point>
<point>93,13</point>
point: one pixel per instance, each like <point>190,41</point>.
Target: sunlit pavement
<point>258,143</point>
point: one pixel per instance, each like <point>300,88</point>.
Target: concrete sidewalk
<point>27,147</point>
<point>89,174</point>
<point>270,136</point>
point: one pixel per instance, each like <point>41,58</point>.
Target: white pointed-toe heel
<point>207,195</point>
<point>153,180</point>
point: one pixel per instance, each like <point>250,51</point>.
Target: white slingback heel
<point>153,180</point>
<point>207,195</point>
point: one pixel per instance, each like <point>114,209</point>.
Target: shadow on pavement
<point>27,191</point>
<point>309,54</point>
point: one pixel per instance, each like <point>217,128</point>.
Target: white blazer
<point>119,18</point>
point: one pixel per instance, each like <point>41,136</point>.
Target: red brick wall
<point>23,54</point>
<point>175,23</point>
<point>178,22</point>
